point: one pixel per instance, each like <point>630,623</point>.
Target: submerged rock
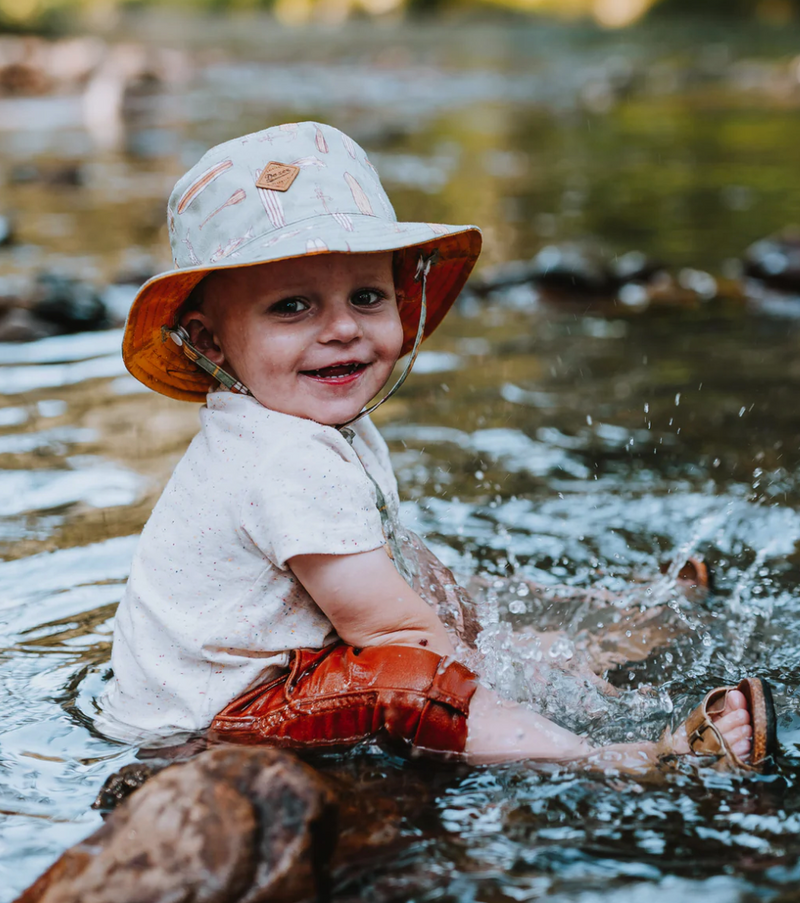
<point>574,269</point>
<point>608,283</point>
<point>70,304</point>
<point>52,305</point>
<point>233,825</point>
<point>63,175</point>
<point>6,231</point>
<point>775,261</point>
<point>587,269</point>
<point>21,325</point>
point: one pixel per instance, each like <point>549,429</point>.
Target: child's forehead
<point>311,270</point>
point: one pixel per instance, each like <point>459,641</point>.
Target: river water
<point>565,443</point>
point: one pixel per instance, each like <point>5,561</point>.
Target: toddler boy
<point>270,600</point>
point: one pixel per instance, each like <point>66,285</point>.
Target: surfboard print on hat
<point>201,183</point>
<point>272,205</point>
<point>305,162</point>
<point>349,146</point>
<point>359,195</point>
<point>344,221</point>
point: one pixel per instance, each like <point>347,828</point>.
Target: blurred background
<point>61,14</point>
<point>616,390</point>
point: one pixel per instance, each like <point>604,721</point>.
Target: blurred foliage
<point>43,14</point>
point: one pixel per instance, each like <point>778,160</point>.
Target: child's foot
<point>733,722</point>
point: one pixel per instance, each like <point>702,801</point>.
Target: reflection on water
<point>533,441</point>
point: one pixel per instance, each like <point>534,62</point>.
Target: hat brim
<point>161,365</point>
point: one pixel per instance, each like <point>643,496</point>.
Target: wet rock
<point>572,270</point>
<point>605,283</point>
<point>589,270</point>
<point>68,175</point>
<point>6,231</point>
<point>71,305</point>
<point>21,325</point>
<point>51,305</point>
<point>120,785</point>
<point>233,825</point>
<point>19,78</point>
<point>35,66</point>
<point>775,261</point>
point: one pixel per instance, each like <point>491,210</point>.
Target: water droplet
<point>677,399</point>
<point>742,409</point>
<point>589,419</point>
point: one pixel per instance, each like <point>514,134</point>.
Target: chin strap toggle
<point>181,338</point>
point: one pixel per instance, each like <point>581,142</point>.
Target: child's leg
<point>339,696</point>
<point>500,731</point>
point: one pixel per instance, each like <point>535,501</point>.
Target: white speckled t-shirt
<point>211,608</point>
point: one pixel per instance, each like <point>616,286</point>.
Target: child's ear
<point>201,335</point>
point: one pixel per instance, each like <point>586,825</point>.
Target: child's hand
<point>368,602</point>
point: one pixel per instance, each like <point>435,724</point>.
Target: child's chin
<point>332,417</point>
<point>327,415</point>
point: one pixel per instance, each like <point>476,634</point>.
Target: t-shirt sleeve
<point>314,500</point>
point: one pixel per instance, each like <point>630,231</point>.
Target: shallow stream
<point>553,442</point>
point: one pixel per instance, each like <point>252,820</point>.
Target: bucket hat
<point>285,192</point>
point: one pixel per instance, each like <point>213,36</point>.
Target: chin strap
<point>424,265</point>
<point>181,338</point>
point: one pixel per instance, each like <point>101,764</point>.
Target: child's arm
<point>369,603</point>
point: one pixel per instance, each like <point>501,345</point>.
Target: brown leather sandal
<point>706,740</point>
<point>694,574</point>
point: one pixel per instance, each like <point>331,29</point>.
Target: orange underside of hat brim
<point>160,364</point>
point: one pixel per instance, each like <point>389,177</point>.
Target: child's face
<point>316,337</point>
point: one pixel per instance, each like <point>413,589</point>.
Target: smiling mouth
<point>337,372</point>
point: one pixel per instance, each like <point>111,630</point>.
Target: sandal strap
<point>705,738</point>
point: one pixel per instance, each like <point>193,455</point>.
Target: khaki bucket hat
<point>289,191</point>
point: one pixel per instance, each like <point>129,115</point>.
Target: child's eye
<point>289,306</point>
<point>367,297</point>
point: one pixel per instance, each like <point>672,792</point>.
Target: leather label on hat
<point>277,176</point>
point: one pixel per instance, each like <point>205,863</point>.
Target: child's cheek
<point>395,337</point>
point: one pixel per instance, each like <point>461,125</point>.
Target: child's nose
<point>342,325</point>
